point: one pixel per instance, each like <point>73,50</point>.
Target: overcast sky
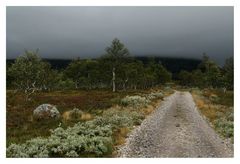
<point>69,32</point>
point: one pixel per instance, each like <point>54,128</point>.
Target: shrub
<point>82,139</point>
<point>134,101</point>
<point>65,84</point>
<point>140,101</point>
<point>224,127</point>
<point>75,114</point>
<point>137,117</point>
<point>229,115</point>
<point>167,88</point>
<point>90,138</point>
<point>117,119</point>
<point>154,95</point>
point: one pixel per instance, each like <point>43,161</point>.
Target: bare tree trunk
<point>30,90</point>
<point>113,79</point>
<point>124,84</point>
<point>224,89</point>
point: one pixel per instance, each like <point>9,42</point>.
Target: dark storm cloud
<point>68,32</point>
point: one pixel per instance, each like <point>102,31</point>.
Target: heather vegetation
<point>95,137</point>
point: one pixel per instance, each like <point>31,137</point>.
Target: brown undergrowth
<point>21,126</point>
<point>217,107</point>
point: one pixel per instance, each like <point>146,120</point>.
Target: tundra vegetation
<point>101,100</point>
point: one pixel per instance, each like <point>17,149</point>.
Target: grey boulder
<point>46,111</point>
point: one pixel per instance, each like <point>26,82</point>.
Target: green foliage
<point>197,78</point>
<point>160,75</point>
<point>155,95</point>
<point>66,84</point>
<point>163,74</point>
<point>113,61</point>
<point>126,72</point>
<point>213,76</point>
<point>119,118</point>
<point>225,127</point>
<point>132,76</point>
<point>134,101</point>
<point>209,74</point>
<point>137,117</point>
<point>29,73</point>
<point>82,139</point>
<point>228,71</point>
<point>115,69</point>
<point>185,77</point>
<point>116,53</point>
<point>224,123</point>
<point>203,66</point>
<point>92,138</point>
<point>84,73</point>
<point>137,102</point>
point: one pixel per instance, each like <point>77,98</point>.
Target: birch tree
<point>116,55</point>
<point>30,73</point>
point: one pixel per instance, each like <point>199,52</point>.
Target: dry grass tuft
<point>148,110</point>
<point>206,107</point>
<point>200,103</point>
<point>66,116</point>
<point>210,112</point>
<point>86,117</point>
<point>123,131</point>
<point>120,135</point>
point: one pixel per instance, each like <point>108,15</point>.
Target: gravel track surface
<point>175,129</point>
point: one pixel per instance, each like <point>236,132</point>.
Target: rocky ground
<point>175,129</point>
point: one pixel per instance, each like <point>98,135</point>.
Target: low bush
<point>83,139</point>
<point>224,125</point>
<point>134,101</point>
<point>91,138</point>
<point>65,84</point>
<point>154,95</point>
<point>94,137</point>
<point>119,118</point>
<point>140,101</point>
<point>75,113</point>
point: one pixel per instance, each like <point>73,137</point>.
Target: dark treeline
<point>116,69</point>
<point>209,75</point>
<point>173,65</point>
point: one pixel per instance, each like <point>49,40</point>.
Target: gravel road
<point>175,129</point>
